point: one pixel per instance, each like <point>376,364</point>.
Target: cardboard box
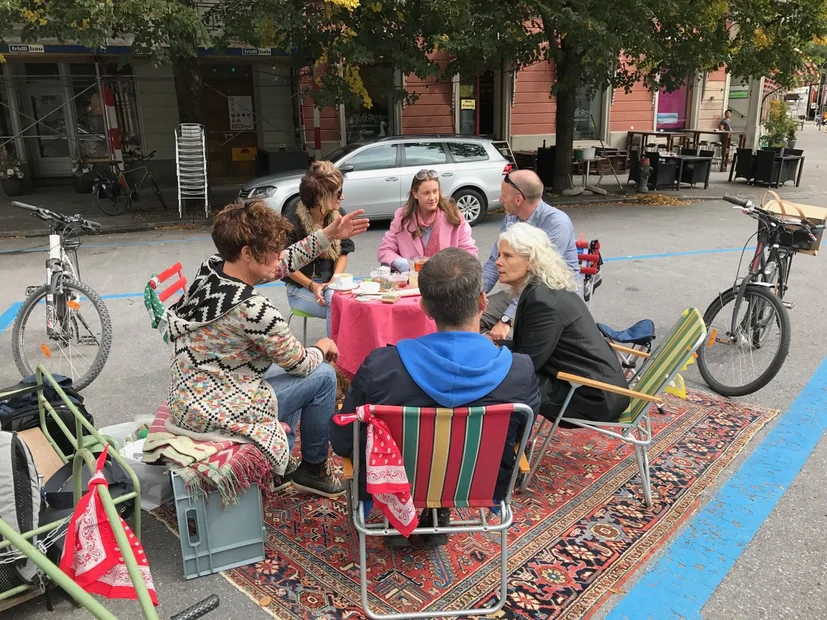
<point>46,459</point>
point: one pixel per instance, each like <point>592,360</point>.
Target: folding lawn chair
<point>449,460</point>
<point>634,426</point>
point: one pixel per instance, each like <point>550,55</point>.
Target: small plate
<point>333,287</point>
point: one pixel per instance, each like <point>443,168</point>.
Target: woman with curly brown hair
<point>237,371</point>
<point>321,194</point>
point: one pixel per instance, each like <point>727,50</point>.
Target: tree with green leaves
<point>597,44</point>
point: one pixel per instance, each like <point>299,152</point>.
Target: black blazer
<point>556,329</point>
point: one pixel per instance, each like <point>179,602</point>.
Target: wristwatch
<point>506,319</point>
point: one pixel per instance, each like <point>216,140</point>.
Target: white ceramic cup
<point>342,280</point>
<point>369,287</point>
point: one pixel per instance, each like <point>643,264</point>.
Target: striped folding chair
<point>634,426</point>
<point>449,460</point>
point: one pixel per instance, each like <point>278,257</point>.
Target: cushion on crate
<point>206,466</point>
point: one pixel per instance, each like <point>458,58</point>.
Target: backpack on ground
<point>20,413</point>
<point>19,505</point>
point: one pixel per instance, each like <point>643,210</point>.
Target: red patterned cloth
<point>387,481</point>
<point>206,466</point>
<point>91,557</point>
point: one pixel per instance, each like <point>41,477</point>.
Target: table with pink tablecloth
<point>359,327</point>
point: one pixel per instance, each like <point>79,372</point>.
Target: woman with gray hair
<point>554,327</point>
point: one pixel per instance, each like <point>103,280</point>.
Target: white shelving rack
<point>191,163</point>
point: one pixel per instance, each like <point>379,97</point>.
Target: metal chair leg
<point>304,332</point>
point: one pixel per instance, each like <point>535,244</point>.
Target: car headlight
<point>265,191</point>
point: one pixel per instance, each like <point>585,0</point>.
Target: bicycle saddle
<point>641,333</point>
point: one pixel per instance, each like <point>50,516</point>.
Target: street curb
<point>116,228</point>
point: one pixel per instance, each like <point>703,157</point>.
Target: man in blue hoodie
<point>455,367</point>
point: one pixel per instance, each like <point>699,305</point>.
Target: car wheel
<point>289,207</point>
<point>471,204</point>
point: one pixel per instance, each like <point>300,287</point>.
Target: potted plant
<point>779,124</point>
<point>82,176</point>
<point>12,175</point>
<point>791,136</point>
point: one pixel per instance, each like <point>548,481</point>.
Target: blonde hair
<point>544,261</point>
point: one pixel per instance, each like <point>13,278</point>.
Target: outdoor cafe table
<point>694,135</point>
<point>688,159</point>
<point>669,135</point>
<point>359,327</point>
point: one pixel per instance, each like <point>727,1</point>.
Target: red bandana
<point>91,556</point>
<point>386,477</point>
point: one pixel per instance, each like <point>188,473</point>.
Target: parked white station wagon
<point>378,175</point>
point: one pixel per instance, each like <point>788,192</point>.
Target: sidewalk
<point>149,215</point>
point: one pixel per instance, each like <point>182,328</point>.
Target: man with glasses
<point>522,197</point>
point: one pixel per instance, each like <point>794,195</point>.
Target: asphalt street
<point>660,260</point>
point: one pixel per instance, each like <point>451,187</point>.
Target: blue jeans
<point>311,400</point>
<point>300,298</point>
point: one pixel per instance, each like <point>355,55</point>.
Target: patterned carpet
<point>579,532</point>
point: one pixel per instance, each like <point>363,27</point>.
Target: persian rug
<point>579,531</point>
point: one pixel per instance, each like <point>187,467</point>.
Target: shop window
<point>376,121</point>
<point>588,115</point>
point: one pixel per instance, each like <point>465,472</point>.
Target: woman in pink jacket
<point>426,224</point>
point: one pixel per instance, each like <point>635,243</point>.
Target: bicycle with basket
<point>748,324</point>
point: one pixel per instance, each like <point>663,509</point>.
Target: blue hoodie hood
<point>455,368</point>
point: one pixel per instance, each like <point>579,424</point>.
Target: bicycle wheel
<point>80,340</point>
<point>157,191</point>
<point>110,199</point>
<point>735,364</point>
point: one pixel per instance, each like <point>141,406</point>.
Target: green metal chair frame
<point>411,421</point>
<point>634,426</point>
<point>84,446</point>
<point>301,315</point>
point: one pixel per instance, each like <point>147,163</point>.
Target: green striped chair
<point>634,426</point>
<point>450,463</point>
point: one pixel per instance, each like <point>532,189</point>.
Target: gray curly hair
<point>544,261</point>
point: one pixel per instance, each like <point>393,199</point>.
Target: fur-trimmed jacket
<point>226,336</point>
<point>321,267</point>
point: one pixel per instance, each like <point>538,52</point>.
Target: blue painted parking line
<point>7,318</point>
<point>684,578</point>
<point>615,259</point>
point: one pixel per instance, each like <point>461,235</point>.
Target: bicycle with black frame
<point>748,325</point>
<point>114,193</point>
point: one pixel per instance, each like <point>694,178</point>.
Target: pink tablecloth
<point>359,327</point>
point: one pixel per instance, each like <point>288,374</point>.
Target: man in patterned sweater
<point>237,370</point>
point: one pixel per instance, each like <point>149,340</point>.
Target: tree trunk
<point>564,121</point>
<point>189,89</point>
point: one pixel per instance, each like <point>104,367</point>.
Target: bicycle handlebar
<point>737,200</point>
<point>199,609</point>
<point>66,220</point>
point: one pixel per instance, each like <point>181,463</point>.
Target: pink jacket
<point>399,243</point>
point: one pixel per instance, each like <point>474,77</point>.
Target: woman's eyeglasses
<point>425,174</point>
<point>340,193</point>
<point>511,182</point>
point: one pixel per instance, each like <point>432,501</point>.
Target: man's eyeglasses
<point>511,182</point>
<point>425,174</point>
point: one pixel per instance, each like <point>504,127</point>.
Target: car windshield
<point>336,155</point>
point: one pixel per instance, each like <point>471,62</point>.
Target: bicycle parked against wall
<point>62,324</point>
<point>748,325</point>
<point>113,192</point>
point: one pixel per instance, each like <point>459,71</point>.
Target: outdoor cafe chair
<point>634,426</point>
<point>744,164</point>
<point>767,168</point>
<point>664,171</point>
<point>451,458</point>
